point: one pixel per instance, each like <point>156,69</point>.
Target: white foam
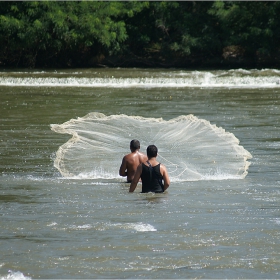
<point>15,276</point>
<point>143,227</point>
<point>136,226</point>
<point>52,224</point>
<point>239,78</point>
<point>87,226</point>
<point>276,221</point>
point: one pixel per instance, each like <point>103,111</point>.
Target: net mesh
<point>190,148</point>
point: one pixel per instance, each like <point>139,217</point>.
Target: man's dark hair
<point>152,151</point>
<point>134,144</point>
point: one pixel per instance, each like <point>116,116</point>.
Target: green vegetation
<point>134,33</point>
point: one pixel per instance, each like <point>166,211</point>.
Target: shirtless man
<point>152,173</point>
<point>131,161</point>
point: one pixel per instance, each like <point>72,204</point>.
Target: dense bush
<point>126,33</point>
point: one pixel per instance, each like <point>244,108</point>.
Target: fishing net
<point>190,148</point>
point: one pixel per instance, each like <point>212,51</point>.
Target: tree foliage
<point>46,29</point>
<point>84,33</point>
<point>253,25</point>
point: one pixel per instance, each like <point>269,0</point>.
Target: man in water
<point>131,161</point>
<point>152,173</point>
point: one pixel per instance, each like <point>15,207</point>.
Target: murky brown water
<point>86,227</point>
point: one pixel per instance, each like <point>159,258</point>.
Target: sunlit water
<point>69,215</point>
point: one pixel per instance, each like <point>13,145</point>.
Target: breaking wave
<point>127,78</point>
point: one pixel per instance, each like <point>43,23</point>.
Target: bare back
<point>130,163</point>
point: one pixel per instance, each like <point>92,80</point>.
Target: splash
<point>15,275</point>
<point>190,148</point>
<point>127,78</point>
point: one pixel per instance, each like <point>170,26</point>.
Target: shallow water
<point>87,227</point>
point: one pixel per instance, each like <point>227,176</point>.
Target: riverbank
<point>227,60</point>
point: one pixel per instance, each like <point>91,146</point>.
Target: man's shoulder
<point>162,166</point>
<point>142,155</point>
<point>128,156</point>
<point>125,156</point>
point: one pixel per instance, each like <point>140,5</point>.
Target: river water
<point>65,212</point>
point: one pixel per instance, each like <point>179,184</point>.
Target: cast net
<point>190,148</point>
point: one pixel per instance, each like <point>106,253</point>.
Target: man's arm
<point>165,177</point>
<point>122,171</point>
<point>136,178</point>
